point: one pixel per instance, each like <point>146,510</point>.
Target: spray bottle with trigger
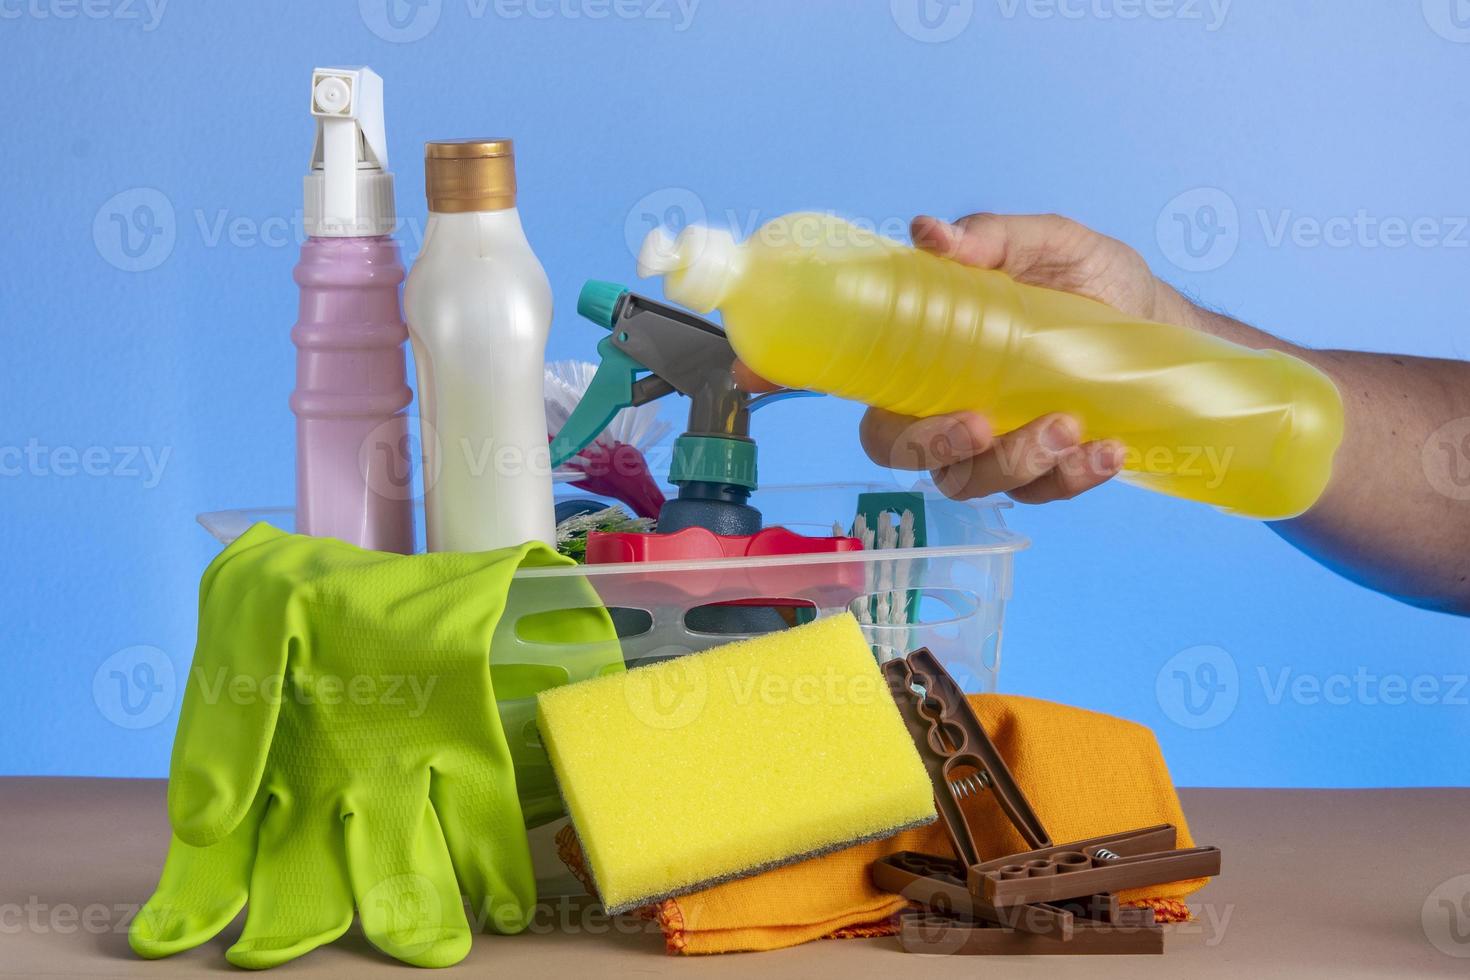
<point>352,465</point>
<point>714,461</point>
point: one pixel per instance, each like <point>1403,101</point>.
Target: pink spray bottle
<point>353,460</point>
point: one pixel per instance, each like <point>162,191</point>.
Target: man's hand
<point>1394,517</point>
<point>1042,460</point>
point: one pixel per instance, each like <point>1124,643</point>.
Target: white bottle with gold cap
<point>479,309</point>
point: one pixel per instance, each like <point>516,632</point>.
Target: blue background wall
<point>186,124</point>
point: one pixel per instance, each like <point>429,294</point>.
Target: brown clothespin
<point>1047,893</point>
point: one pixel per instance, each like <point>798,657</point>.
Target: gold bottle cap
<point>470,175</point>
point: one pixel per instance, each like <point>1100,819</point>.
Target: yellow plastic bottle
<point>811,301</point>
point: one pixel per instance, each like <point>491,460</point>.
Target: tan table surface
<point>1330,883</point>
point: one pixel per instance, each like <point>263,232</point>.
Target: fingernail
<point>1059,434</point>
<point>1107,457</point>
<point>932,444</point>
<point>946,228</point>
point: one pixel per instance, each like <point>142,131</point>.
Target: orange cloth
<point>1086,774</point>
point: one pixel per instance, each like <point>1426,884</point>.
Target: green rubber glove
<point>339,746</point>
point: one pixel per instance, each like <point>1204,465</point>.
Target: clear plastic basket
<point>949,596</point>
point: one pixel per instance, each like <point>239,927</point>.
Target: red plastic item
<point>696,544</point>
<point>781,585</point>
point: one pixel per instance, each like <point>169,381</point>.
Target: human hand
<point>1043,460</point>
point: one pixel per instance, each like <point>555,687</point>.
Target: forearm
<point>1396,515</point>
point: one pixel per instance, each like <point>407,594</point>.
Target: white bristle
<point>887,536</point>
<point>906,530</point>
<point>566,383</point>
<point>887,581</point>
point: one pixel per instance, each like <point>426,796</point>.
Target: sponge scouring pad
<point>728,762</point>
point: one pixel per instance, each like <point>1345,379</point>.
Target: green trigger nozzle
<point>652,350</point>
<point>599,300</point>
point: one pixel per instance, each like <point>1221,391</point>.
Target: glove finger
<point>233,694</point>
<point>199,892</point>
<point>300,897</point>
<point>407,896</point>
<point>481,817</point>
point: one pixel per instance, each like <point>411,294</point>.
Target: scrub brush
<point>614,465</point>
<point>889,522</point>
<point>572,532</point>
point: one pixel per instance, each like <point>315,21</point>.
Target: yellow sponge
<point>728,762</point>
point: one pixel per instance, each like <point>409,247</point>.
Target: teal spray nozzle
<point>714,460</point>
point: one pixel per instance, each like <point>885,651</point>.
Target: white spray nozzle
<point>348,190</point>
<point>705,260</point>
